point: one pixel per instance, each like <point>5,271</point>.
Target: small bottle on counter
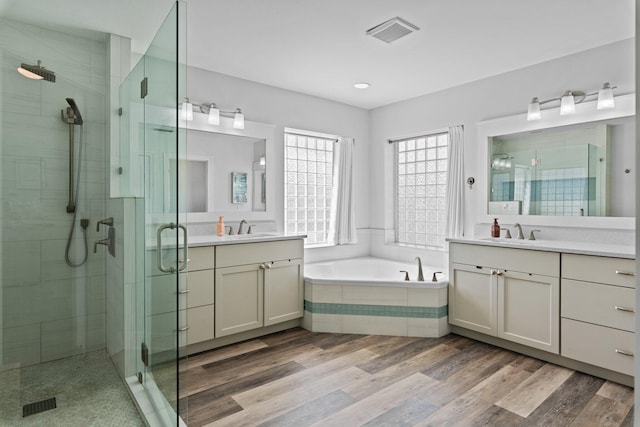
<point>220,227</point>
<point>495,228</point>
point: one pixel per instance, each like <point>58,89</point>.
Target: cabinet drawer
<point>198,288</point>
<point>596,303</point>
<point>254,253</point>
<point>523,260</point>
<point>614,271</point>
<point>597,345</point>
<point>201,258</point>
<point>200,323</point>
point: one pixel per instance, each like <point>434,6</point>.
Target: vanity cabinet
<point>513,294</point>
<point>258,284</point>
<point>598,311</point>
<point>197,285</point>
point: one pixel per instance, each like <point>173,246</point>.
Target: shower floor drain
<point>37,407</point>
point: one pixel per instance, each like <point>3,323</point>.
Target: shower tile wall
<point>50,310</point>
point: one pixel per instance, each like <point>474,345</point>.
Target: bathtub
<point>370,296</point>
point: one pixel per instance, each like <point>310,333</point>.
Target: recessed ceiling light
<point>361,85</point>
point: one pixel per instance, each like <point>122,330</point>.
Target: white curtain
<point>455,183</point>
<point>342,224</point>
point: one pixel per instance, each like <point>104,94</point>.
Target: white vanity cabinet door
<point>528,310</point>
<point>239,297</point>
<point>283,291</point>
<point>473,298</point>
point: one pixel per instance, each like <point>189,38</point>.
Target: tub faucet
<point>242,223</point>
<point>420,275</point>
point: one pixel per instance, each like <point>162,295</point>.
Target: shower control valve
<point>106,221</point>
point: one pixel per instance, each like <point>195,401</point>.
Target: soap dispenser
<point>495,228</point>
<point>220,226</point>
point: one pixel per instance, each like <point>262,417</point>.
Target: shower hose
<point>84,223</point>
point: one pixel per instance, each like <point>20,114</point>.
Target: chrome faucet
<point>242,223</point>
<point>230,229</point>
<point>420,275</point>
<point>520,233</point>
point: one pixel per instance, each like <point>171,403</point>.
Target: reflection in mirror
<point>579,170</point>
<point>227,155</point>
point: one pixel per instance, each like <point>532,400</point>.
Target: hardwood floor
<point>300,378</point>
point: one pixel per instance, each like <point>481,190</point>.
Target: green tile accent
<point>377,310</point>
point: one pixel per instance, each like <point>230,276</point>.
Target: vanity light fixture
<point>263,160</point>
<point>213,113</point>
<point>569,100</point>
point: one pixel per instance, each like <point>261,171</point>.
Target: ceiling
<point>320,47</point>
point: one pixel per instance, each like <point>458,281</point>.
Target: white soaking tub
<point>370,296</point>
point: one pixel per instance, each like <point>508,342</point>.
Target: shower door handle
<point>161,265</point>
<point>183,266</point>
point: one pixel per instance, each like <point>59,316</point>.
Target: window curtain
<point>342,223</point>
<point>455,183</point>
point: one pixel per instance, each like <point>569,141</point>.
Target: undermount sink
<point>502,240</point>
<point>244,236</point>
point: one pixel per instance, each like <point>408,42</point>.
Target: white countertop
<point>583,248</point>
<point>213,240</point>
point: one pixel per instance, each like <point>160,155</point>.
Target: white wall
<point>283,108</point>
<point>503,95</point>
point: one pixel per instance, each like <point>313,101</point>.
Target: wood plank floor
<point>300,378</point>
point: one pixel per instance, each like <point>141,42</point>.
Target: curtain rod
<point>312,136</point>
<point>421,134</point>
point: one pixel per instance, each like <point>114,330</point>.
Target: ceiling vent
<point>392,30</point>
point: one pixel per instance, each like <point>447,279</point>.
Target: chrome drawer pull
<point>625,273</point>
<point>186,291</point>
<point>624,353</point>
<point>186,328</point>
<point>628,310</point>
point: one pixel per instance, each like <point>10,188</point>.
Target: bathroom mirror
<point>577,170</point>
<point>237,163</point>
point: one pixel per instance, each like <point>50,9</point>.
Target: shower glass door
<point>162,323</point>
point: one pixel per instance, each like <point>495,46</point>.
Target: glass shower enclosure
<point>152,145</point>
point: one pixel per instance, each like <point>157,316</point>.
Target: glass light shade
<point>605,97</point>
<point>186,111</point>
<point>567,104</point>
<point>533,112</point>
<point>214,115</point>
<point>238,119</point>
<point>263,161</point>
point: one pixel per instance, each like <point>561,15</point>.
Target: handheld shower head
<point>76,112</point>
<point>37,72</point>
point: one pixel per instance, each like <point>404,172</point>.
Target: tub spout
<point>420,275</point>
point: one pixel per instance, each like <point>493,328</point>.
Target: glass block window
<point>421,188</point>
<point>564,192</point>
<point>308,170</point>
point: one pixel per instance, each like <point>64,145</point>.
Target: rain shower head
<point>37,72</point>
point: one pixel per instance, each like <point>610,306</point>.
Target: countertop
<point>213,240</point>
<point>583,248</point>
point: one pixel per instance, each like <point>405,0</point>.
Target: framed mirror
<point>237,186</point>
<point>576,170</point>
